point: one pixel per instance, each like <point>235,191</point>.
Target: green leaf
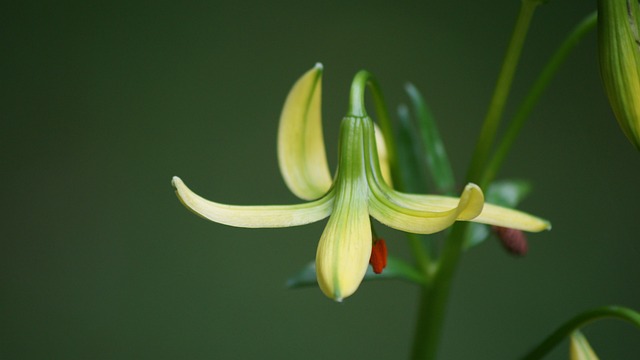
<point>410,159</point>
<point>396,269</point>
<point>508,193</point>
<point>434,150</point>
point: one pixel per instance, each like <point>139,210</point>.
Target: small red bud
<point>514,241</point>
<point>378,258</point>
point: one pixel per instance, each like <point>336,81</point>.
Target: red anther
<point>378,259</point>
<point>514,241</point>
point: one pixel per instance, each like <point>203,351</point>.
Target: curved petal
<point>491,214</point>
<point>421,216</point>
<point>269,216</point>
<point>393,210</point>
<point>301,152</point>
<point>510,218</point>
<point>345,246</point>
<point>383,156</point>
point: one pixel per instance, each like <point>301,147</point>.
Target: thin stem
<point>550,69</point>
<point>501,91</point>
<point>579,321</point>
<point>434,298</point>
<point>421,254</point>
<point>357,108</point>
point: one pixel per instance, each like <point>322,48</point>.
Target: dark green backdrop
<point>103,102</point>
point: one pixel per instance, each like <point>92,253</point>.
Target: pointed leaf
<point>410,156</point>
<point>435,153</point>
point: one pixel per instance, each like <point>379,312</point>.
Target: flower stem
<point>357,108</point>
<point>579,321</point>
<point>434,297</point>
<point>501,91</point>
<point>578,32</point>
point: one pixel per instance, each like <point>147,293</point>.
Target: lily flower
<point>356,192</point>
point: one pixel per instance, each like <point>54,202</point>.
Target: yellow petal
<point>491,214</point>
<point>301,152</point>
<point>345,246</point>
<point>383,156</point>
<point>505,217</point>
<point>269,216</point>
<point>580,348</point>
<point>423,214</point>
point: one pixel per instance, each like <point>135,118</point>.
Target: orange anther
<point>378,258</point>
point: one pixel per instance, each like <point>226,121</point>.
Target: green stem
<point>421,254</point>
<point>579,321</point>
<point>501,91</point>
<point>552,66</point>
<point>434,298</point>
<point>357,108</point>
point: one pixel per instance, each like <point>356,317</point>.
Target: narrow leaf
<point>435,154</point>
<point>410,159</point>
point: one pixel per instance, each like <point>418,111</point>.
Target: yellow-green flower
<point>619,52</point>
<point>358,190</point>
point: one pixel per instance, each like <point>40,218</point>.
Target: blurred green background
<point>103,102</point>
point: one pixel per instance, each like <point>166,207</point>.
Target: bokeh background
<point>103,102</point>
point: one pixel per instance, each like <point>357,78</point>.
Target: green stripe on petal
<point>301,151</point>
<point>426,217</point>
<point>269,216</point>
<point>345,246</point>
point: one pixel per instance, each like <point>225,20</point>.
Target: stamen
<point>378,258</point>
<point>514,241</point>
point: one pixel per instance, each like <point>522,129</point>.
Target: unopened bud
<point>619,53</point>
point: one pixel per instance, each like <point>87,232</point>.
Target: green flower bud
<point>619,52</point>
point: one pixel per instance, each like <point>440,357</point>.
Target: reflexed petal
<point>422,214</point>
<point>491,214</point>
<point>301,152</point>
<point>269,216</point>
